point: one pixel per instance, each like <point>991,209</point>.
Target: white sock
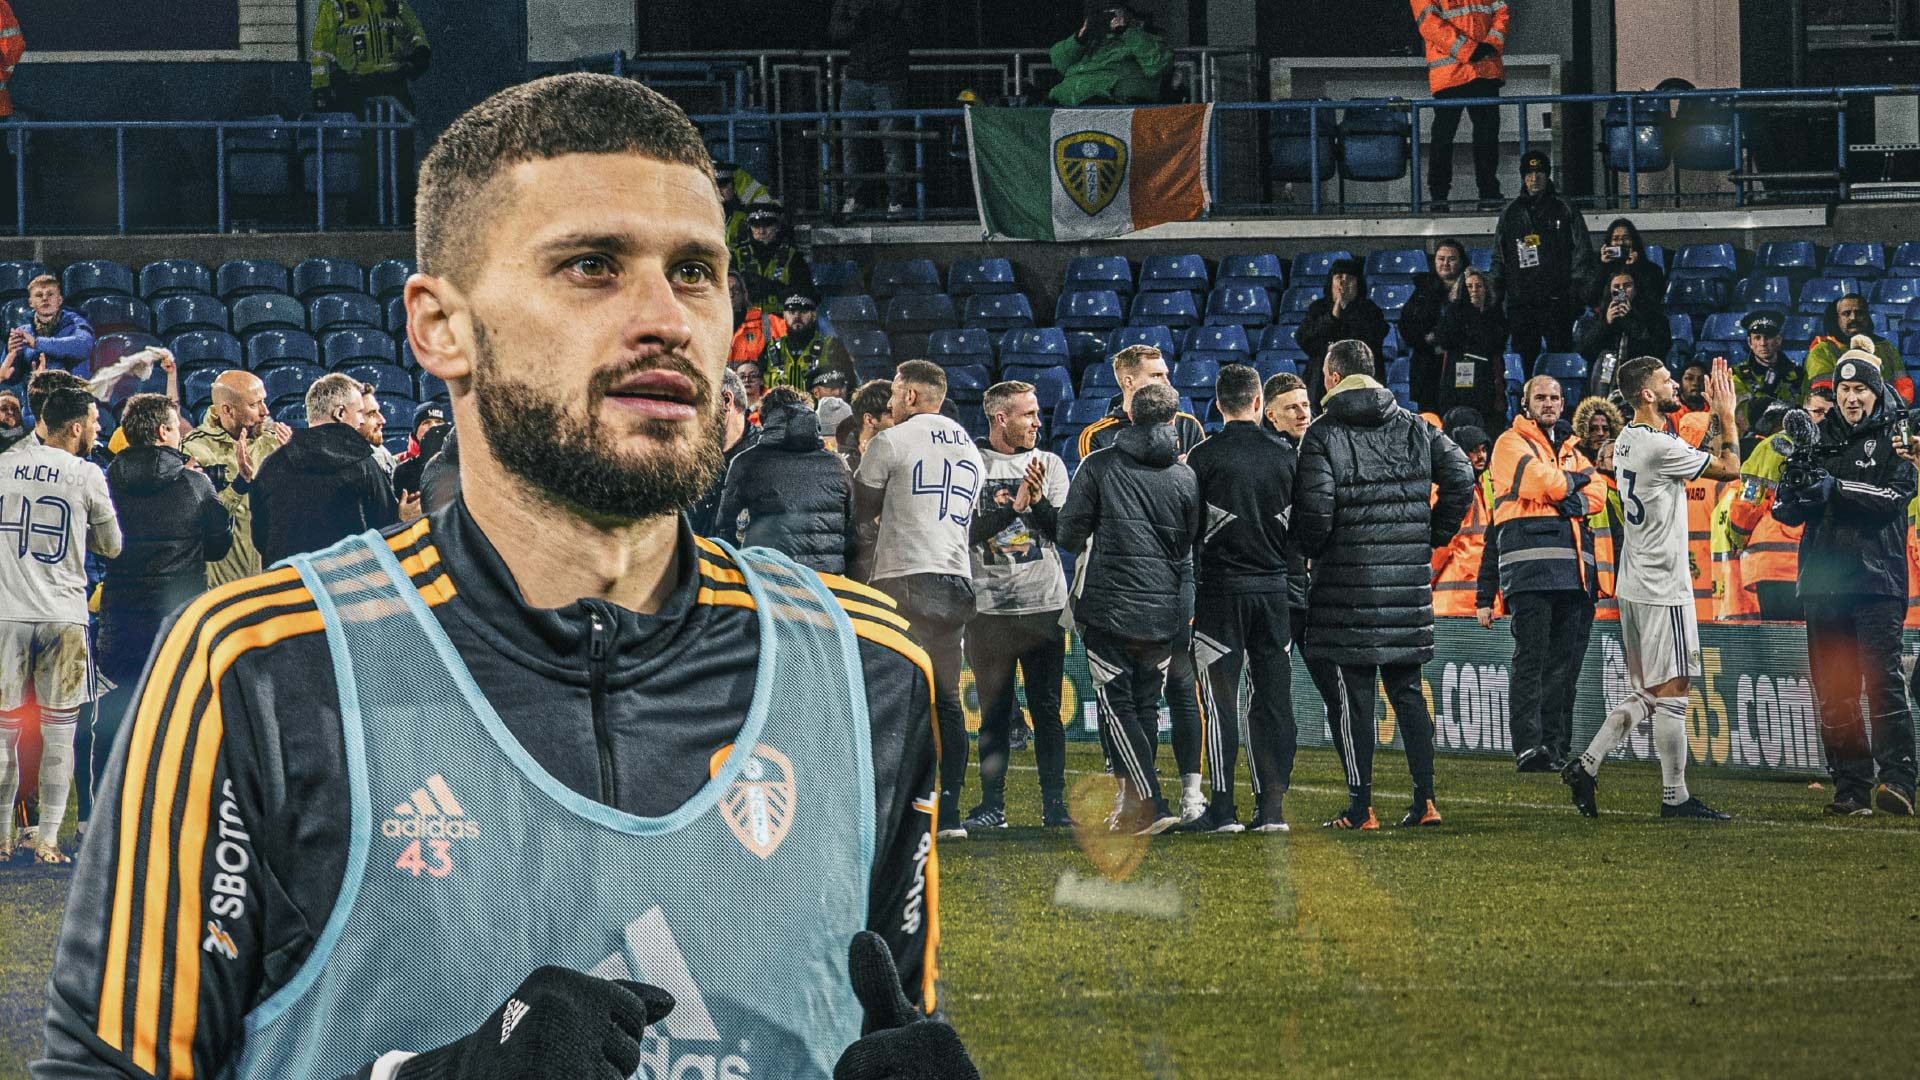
<point>1190,785</point>
<point>1615,729</point>
<point>56,770</point>
<point>1670,739</point>
<point>9,780</point>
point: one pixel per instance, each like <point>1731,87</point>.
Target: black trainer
<point>1270,819</point>
<point>1538,759</point>
<point>1849,806</point>
<point>1582,784</point>
<point>1156,820</point>
<point>1054,813</point>
<point>985,817</point>
<point>1894,799</point>
<point>1219,818</point>
<point>1694,809</point>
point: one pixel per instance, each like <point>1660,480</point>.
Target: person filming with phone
<point>1629,325</point>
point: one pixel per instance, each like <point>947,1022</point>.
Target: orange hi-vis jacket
<point>1604,525</point>
<point>1452,30</point>
<point>1731,598</point>
<point>757,328</point>
<point>1456,567</point>
<point>12,48</point>
<point>1540,548</point>
<point>1702,496</point>
<point>1913,562</point>
<point>1767,550</point>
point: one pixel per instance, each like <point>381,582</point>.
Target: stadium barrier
<point>1753,709</point>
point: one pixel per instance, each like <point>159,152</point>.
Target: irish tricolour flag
<point>1084,174</point>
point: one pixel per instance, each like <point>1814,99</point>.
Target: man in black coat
<point>1542,257</point>
<point>1361,513</point>
<point>1853,580</point>
<point>740,437</point>
<point>325,485</point>
<point>1140,507</point>
<point>1240,607</point>
<point>172,525</point>
<point>796,494</point>
<point>1343,314</point>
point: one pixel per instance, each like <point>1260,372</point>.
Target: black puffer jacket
<point>1855,543</point>
<point>1141,508</point>
<point>1360,511</point>
<point>797,495</point>
<point>173,525</point>
<point>319,489</point>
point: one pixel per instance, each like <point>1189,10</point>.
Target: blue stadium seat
<point>1239,305</point>
<point>1481,258</point>
<point>1221,344</point>
<point>1797,260</point>
<point>868,345</point>
<point>1301,297</point>
<point>977,277</point>
<point>1051,386</point>
<point>289,380</point>
<point>1264,269</point>
<point>1279,339</point>
<point>1642,147</point>
<point>356,346</point>
<point>175,314</point>
<point>1860,261</point>
<point>270,348</point>
<point>1086,347</point>
<point>114,312</point>
<point>1301,146</point>
<point>398,407</point>
<point>1391,346</point>
<point>1270,363</point>
<point>958,348</point>
<point>386,278</point>
<point>1160,337</point>
<point>260,160</point>
<point>1098,381</point>
<point>1073,415</point>
<point>207,347</point>
<point>1195,378</point>
<point>1041,346</point>
<point>95,277</point>
<point>292,412</point>
<point>1721,260</point>
<point>15,313</point>
<point>340,150</point>
<point>396,316</point>
<point>1680,326</point>
<point>1802,328</point>
<point>196,386</point>
<point>840,277</point>
<point>1311,268</point>
<point>1373,143</point>
<point>1569,368</point>
<point>1819,292</point>
<point>1723,326</point>
<point>1093,272</point>
<point>1100,310</point>
<point>14,275</point>
<point>174,277</point>
<point>912,316</point>
<point>1912,317</point>
<point>1891,296</point>
<point>1398,371</point>
<point>1390,296</point>
<point>267,311</point>
<point>318,276</point>
<point>1704,137</point>
<point>430,387</point>
<point>385,379</point>
<point>1763,290</point>
<point>1174,309</point>
<point>851,314</point>
<point>906,277</point>
<point>1701,295</point>
<point>1906,260</point>
<point>340,311</point>
<point>967,384</point>
<point>1173,273</point>
<point>397,442</point>
<point>244,277</point>
<point>998,312</point>
<point>1395,266</point>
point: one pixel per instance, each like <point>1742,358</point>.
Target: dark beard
<point>1697,403</point>
<point>566,457</point>
<point>1670,406</point>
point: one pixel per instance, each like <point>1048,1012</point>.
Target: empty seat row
<point>233,279</point>
<point>172,315</point>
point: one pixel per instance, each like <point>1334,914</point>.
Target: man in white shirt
<point>54,508</point>
<point>1655,586</point>
<point>913,502</point>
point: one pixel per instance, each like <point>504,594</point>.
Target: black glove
<point>1483,51</point>
<point>899,1043</point>
<point>559,1023</point>
<point>1574,505</point>
<point>323,99</point>
<point>1817,489</point>
<point>417,61</point>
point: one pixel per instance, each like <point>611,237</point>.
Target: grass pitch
<point>1518,939</point>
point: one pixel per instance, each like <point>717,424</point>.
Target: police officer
<point>772,266</point>
<point>1539,247</point>
<point>365,49</point>
<point>1766,376</point>
<point>793,358</point>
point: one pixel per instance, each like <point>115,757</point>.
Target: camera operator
<point>1850,489</point>
<point>1630,325</point>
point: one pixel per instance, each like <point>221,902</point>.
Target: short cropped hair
<point>331,392</point>
<point>1236,388</point>
<point>1284,383</point>
<point>43,279</point>
<point>64,406</point>
<point>144,415</point>
<point>871,399</point>
<point>1155,403</point>
<point>999,396</point>
<point>923,375</point>
<point>1635,375</point>
<point>574,113</point>
<point>1350,357</point>
<point>41,387</point>
<point>736,390</point>
<point>782,396</point>
<point>1129,359</point>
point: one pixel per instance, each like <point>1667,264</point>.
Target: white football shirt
<point>931,473</point>
<point>1652,469</point>
<point>49,501</point>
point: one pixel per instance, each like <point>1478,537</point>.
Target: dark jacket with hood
<point>1649,279</point>
<point>1361,513</point>
<point>877,34</point>
<point>1642,331</point>
<point>173,525</point>
<point>1542,255</point>
<point>321,488</point>
<point>1464,331</point>
<point>797,495</point>
<point>1855,543</point>
<point>1141,508</point>
<point>1420,317</point>
<point>1320,327</point>
<point>409,475</point>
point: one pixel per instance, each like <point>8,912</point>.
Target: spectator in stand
<point>55,336</point>
<point>1456,567</point>
<point>426,416</point>
<point>1766,376</point>
<point>13,421</point>
<point>1472,339</point>
<point>1629,326</point>
<point>803,352</point>
<point>1623,249</point>
<point>1597,421</point>
<point>1432,292</point>
<point>1365,512</point>
<point>230,445</point>
<point>1769,549</point>
<point>363,49</point>
<point>1023,597</point>
<point>1693,385</point>
<point>752,384</point>
<point>753,326</point>
<point>1343,314</point>
<point>1848,320</point>
<point>409,476</point>
<point>1140,508</point>
<point>877,35</point>
<point>740,437</point>
<point>172,526</point>
<point>1113,59</point>
<point>872,414</point>
<point>1541,260</point>
<point>769,263</point>
<point>917,547</point>
<point>1465,42</point>
<point>325,486</point>
<point>12,48</point>
<point>795,495</point>
<point>373,428</point>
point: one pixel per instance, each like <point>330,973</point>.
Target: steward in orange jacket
<point>1465,40</point>
<point>1540,556</point>
<point>1595,424</point>
<point>12,48</point>
<point>1456,567</point>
